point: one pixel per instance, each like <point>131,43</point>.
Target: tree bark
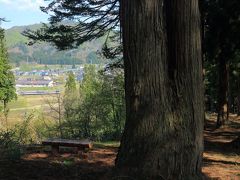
<point>222,91</point>
<point>163,137</point>
<point>237,100</point>
<point>238,105</point>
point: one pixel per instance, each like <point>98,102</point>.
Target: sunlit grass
<point>18,103</point>
<point>26,102</point>
<point>114,144</point>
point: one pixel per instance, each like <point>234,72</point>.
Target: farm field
<point>26,104</point>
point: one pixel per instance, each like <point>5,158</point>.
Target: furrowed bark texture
<point>163,136</point>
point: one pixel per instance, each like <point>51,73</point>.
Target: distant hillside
<point>44,53</point>
<point>13,35</point>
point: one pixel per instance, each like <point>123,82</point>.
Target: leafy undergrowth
<point>221,159</point>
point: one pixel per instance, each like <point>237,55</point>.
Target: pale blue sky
<point>22,12</point>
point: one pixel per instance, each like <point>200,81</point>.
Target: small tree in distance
<point>70,101</point>
<point>70,86</point>
<point>7,79</point>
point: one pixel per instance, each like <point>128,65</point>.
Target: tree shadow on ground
<point>210,161</point>
<point>42,170</point>
<point>43,166</point>
<point>222,149</point>
<point>222,140</point>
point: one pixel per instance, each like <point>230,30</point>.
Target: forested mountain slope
<point>44,53</point>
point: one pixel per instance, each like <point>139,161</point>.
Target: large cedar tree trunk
<point>163,137</point>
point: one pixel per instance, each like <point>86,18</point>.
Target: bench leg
<point>55,150</point>
<point>82,154</point>
<point>80,149</point>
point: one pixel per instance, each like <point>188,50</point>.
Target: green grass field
<point>26,104</point>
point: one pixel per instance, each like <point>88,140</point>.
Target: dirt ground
<point>221,159</point>
<point>222,149</point>
<point>92,165</point>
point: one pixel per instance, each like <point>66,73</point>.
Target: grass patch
<point>36,100</point>
<point>19,103</point>
<point>113,144</point>
<point>26,102</point>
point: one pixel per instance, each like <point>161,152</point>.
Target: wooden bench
<point>56,143</point>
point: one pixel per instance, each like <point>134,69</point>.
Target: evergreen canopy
<point>90,19</point>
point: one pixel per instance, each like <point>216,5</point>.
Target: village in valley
<point>47,79</point>
<point>37,86</point>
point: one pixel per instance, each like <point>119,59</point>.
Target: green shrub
<point>9,146</point>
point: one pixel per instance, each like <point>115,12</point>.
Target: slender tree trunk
<point>60,115</point>
<point>68,115</point>
<point>230,98</point>
<point>87,130</point>
<point>223,91</point>
<point>237,100</point>
<point>5,111</point>
<point>238,105</point>
<point>163,137</point>
<point>115,119</point>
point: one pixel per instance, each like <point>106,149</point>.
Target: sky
<point>21,12</point>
